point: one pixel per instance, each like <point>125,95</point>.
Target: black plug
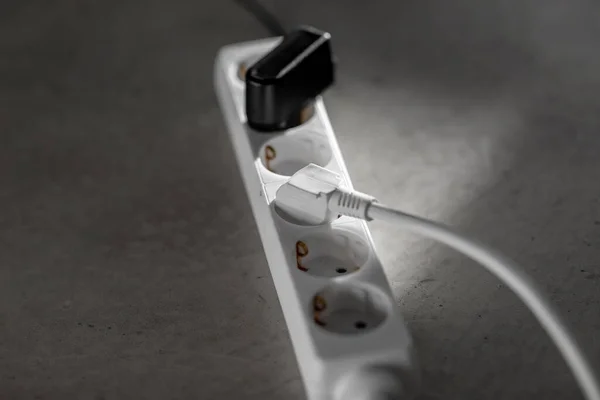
<point>282,86</point>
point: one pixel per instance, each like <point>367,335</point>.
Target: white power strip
<point>335,297</point>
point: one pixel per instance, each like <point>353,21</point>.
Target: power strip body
<point>333,291</point>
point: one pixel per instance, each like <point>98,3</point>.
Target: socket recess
<point>288,153</point>
<point>335,297</point>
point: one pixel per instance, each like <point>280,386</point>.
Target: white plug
<point>314,195</point>
<point>305,196</point>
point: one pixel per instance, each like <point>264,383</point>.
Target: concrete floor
<point>130,265</point>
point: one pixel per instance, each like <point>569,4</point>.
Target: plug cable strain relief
<point>351,203</point>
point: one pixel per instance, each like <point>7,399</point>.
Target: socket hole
<point>349,309</point>
<point>241,72</point>
<point>307,113</point>
<point>332,253</point>
<point>289,153</point>
<point>360,324</point>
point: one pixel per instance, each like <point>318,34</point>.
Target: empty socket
<point>332,253</point>
<point>289,153</point>
<point>349,309</point>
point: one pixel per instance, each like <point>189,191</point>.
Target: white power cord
<point>514,277</point>
<point>313,195</point>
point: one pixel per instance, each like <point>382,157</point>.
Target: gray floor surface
<point>130,265</point>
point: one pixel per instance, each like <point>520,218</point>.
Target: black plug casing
<point>286,80</point>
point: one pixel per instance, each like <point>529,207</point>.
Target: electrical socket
<point>333,291</point>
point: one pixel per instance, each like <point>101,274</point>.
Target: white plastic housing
<point>334,294</point>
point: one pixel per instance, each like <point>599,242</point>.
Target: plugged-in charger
<point>282,86</point>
